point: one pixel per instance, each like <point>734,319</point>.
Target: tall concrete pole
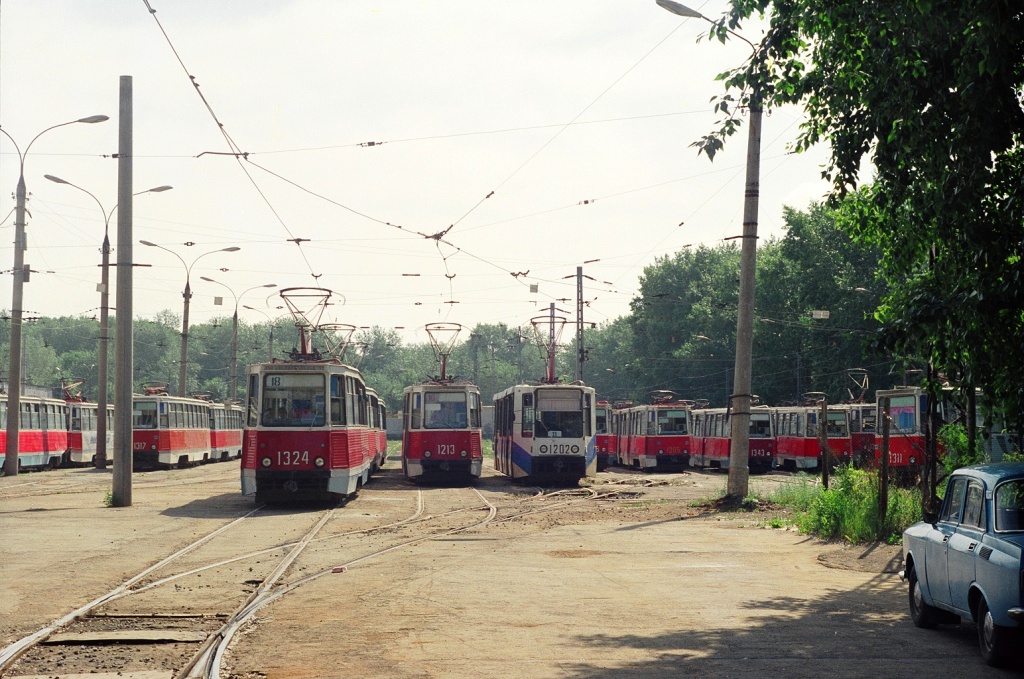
<point>183,358</point>
<point>739,453</point>
<point>123,351</point>
<point>580,352</point>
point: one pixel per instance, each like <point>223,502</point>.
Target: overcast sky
<point>575,118</point>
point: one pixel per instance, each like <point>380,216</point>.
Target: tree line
<point>679,334</point>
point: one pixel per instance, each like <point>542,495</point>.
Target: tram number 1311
<point>288,458</point>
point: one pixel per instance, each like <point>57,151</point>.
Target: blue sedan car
<point>967,564</point>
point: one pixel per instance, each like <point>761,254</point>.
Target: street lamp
<point>187,295</point>
<point>739,453</point>
<point>101,379</point>
<point>19,274</point>
<point>234,330</point>
<point>272,322</point>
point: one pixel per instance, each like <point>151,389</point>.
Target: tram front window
<point>760,426</point>
<point>445,410</point>
<point>671,421</point>
<point>559,424</point>
<point>144,415</point>
<point>291,400</point>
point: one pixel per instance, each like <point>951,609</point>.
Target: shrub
<point>954,438</point>
<point>848,509</point>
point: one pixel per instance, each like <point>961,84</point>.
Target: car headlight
<point>266,462</point>
<point>319,462</point>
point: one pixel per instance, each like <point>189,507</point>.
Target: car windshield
<point>1010,505</point>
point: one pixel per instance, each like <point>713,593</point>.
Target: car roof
<point>993,473</point>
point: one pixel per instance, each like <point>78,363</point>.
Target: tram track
<point>418,528</point>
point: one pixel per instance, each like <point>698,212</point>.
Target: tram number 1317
<point>288,458</point>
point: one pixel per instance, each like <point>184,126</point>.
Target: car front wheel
<point>993,639</point>
<point>924,615</point>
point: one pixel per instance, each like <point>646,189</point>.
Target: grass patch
<point>848,509</point>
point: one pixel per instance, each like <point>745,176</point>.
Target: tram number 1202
<point>290,458</point>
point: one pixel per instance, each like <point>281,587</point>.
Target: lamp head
<point>146,242</point>
<point>233,248</point>
<point>160,189</point>
<point>56,179</point>
<point>93,119</point>
<point>681,10</point>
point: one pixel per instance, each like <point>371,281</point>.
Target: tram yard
<point>359,598</point>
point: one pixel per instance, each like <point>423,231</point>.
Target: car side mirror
<point>931,517</point>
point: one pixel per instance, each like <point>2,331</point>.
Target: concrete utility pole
<point>123,351</point>
<point>739,452</point>
<point>19,274</point>
<point>580,351</point>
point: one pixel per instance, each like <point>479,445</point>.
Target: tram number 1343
<point>291,458</point>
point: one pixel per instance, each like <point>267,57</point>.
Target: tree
<point>929,92</point>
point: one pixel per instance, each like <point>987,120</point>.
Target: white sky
<point>468,96</point>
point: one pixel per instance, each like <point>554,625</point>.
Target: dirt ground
<point>643,580</point>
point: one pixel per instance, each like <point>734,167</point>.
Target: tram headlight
<point>913,460</point>
<point>661,452</point>
<point>463,453</point>
<point>319,462</point>
<point>575,450</point>
<point>426,453</point>
<point>266,462</point>
<point>543,449</point>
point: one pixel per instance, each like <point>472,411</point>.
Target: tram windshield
<point>671,421</point>
<point>760,426</point>
<point>293,400</point>
<point>559,414</point>
<point>903,414</point>
<point>445,410</point>
<point>602,421</point>
<point>838,426</point>
<point>144,415</point>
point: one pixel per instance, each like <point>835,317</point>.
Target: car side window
<point>974,508</point>
<point>955,492</point>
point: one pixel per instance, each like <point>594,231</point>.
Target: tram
<point>711,441</point>
<point>308,433</point>
<point>798,444</point>
<point>908,429</point>
<point>225,431</point>
<point>441,425</point>
<point>169,431</point>
<point>656,435</point>
<point>42,433</point>
<point>377,418</point>
<point>83,439</point>
<point>605,444</point>
<point>544,432</point>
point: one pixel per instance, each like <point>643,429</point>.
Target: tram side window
<point>337,399</point>
<point>254,400</point>
<point>528,415</point>
<point>474,410</point>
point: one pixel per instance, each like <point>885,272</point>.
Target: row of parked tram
<point>167,431</point>
<point>667,434</point>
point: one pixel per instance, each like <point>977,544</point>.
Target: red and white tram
<point>42,433</point>
<point>863,421</point>
<point>82,417</point>
<point>656,435</point>
<point>441,426</point>
<point>908,426</point>
<point>604,435</point>
<point>797,443</point>
<point>225,431</point>
<point>377,417</point>
<point>711,442</point>
<point>169,431</point>
<point>308,429</point>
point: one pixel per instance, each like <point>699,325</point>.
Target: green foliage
<point>953,437</point>
<point>848,509</point>
<point>929,94</point>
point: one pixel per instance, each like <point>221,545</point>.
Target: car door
<point>937,542</point>
<point>961,554</point>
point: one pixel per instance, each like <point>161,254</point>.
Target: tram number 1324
<point>291,458</point>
